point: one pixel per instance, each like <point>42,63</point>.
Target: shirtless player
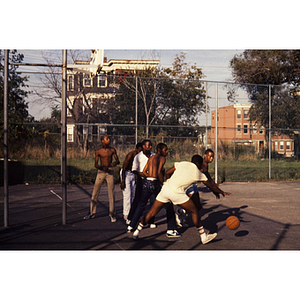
<point>153,174</point>
<point>105,171</point>
<point>174,190</point>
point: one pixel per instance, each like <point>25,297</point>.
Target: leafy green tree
<point>182,94</point>
<point>171,96</point>
<point>254,70</point>
<point>17,105</point>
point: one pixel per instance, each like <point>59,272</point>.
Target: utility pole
<point>136,110</point>
<point>270,124</point>
<point>206,117</point>
<point>216,131</point>
<point>5,125</point>
<point>64,139</point>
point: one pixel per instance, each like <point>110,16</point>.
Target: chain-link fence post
<point>5,120</point>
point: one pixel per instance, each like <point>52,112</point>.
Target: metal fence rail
<point>189,116</point>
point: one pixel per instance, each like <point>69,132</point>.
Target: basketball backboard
<point>95,65</point>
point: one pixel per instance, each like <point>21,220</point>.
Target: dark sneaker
<point>89,216</point>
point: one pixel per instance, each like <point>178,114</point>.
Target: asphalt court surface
<point>268,211</point>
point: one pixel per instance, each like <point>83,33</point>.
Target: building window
<point>246,113</point>
<point>70,83</point>
<point>254,129</point>
<point>239,114</point>
<point>87,80</point>
<point>276,145</point>
<point>288,145</point>
<point>281,145</point>
<point>238,129</point>
<point>261,129</point>
<point>70,133</point>
<point>102,81</point>
<point>245,128</point>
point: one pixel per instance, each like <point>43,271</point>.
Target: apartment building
<point>234,125</point>
<point>87,96</point>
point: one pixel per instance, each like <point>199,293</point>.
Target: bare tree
<point>51,93</point>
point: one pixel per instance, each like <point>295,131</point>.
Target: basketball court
<point>268,213</point>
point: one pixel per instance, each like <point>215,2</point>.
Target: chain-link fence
<point>188,115</point>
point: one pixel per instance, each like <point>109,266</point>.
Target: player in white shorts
<point>181,214</point>
<point>174,190</point>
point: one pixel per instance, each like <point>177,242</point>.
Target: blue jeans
<point>150,190</point>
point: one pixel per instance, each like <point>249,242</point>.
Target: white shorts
<point>167,195</point>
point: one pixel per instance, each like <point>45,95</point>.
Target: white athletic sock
<point>140,227</point>
<point>201,230</point>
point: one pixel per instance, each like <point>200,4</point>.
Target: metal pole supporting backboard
<point>5,136</point>
<point>64,139</point>
<point>270,144</point>
<point>206,117</point>
<point>216,131</point>
<point>136,110</point>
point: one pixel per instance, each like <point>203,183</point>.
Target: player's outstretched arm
<point>215,189</point>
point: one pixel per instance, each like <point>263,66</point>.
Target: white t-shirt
<point>186,173</point>
<point>140,161</point>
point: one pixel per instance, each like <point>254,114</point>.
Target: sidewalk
<point>269,215</point>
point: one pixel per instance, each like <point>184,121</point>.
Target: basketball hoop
<point>119,79</point>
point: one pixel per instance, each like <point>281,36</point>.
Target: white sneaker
<point>206,238</point>
<point>153,226</point>
<point>136,234</point>
<point>173,234</point>
<point>129,229</point>
<point>137,231</point>
<point>113,219</point>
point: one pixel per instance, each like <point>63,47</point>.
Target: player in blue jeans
<point>174,191</point>
<point>151,185</point>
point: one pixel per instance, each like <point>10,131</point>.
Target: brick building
<point>234,125</point>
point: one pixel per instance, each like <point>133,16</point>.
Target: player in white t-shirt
<point>174,190</point>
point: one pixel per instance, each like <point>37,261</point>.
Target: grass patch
<point>242,170</point>
<point>82,170</point>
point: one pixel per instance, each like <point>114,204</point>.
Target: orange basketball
<point>232,222</point>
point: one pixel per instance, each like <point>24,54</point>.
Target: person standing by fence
<point>105,171</point>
